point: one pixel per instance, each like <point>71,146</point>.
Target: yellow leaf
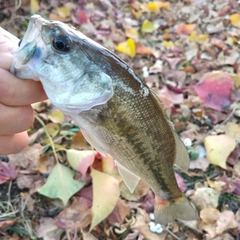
<point>63,12</point>
<point>201,38</point>
<point>34,6</point>
<point>105,196</point>
<point>53,129</point>
<point>192,36</point>
<point>218,148</point>
<point>153,7</point>
<point>236,80</point>
<point>233,129</point>
<point>235,20</point>
<point>57,117</point>
<point>127,47</point>
<point>147,27</point>
<point>168,44</point>
<point>131,32</point>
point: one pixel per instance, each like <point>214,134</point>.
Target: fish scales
<point>116,111</point>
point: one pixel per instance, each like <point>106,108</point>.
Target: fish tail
<point>167,211</point>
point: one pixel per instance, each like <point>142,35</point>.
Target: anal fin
<point>182,157</point>
<point>130,179</point>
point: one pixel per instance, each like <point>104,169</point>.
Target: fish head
<point>53,52</point>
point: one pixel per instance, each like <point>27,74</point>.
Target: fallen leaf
<point>127,47</point>
<point>105,196</point>
<point>185,29</point>
<point>28,157</point>
<point>56,117</point>
<point>76,216</point>
<point>88,236</point>
<point>233,129</point>
<point>78,141</point>
<point>80,160</point>
<point>53,129</point>
<point>218,148</point>
<point>165,5</point>
<point>45,163</point>
<point>48,230</point>
<point>119,212</point>
<point>180,182</point>
<point>7,172</point>
<point>63,12</point>
<point>226,220</point>
<point>168,44</point>
<point>200,163</point>
<point>109,167</point>
<point>205,197</point>
<point>235,20</point>
<point>175,98</point>
<point>209,218</point>
<point>131,32</point>
<point>215,89</point>
<point>79,17</point>
<point>4,225</point>
<point>141,189</point>
<point>153,7</point>
<point>60,184</point>
<point>148,27</point>
<point>141,224</point>
<point>34,6</point>
<point>142,49</point>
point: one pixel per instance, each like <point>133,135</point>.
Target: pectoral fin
<point>182,157</point>
<point>130,179</point>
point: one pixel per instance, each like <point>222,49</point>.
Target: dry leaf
<point>218,148</point>
<point>235,20</point>
<point>127,47</point>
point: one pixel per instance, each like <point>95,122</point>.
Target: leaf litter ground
<point>187,51</point>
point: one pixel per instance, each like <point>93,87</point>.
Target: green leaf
<point>60,184</point>
<point>105,196</point>
<point>148,27</point>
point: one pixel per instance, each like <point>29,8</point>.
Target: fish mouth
<point>28,49</point>
<point>34,29</point>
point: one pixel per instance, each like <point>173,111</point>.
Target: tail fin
<point>167,211</point>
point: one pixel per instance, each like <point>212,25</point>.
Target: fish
<point>116,111</point>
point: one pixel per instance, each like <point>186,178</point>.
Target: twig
<point>171,233</point>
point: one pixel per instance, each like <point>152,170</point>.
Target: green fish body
<point>116,111</point>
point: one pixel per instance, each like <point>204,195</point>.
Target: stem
<point>48,136</point>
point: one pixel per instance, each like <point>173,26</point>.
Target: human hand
<point>16,97</point>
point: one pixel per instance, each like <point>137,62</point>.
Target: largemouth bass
<point>116,111</point>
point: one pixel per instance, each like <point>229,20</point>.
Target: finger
<point>8,42</point>
<point>13,143</point>
<point>15,119</point>
<point>6,64</point>
<point>17,92</point>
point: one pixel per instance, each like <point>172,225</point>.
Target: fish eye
<point>19,43</point>
<point>61,43</point>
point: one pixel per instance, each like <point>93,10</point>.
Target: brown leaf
<point>119,213</point>
<point>209,218</point>
<point>76,216</point>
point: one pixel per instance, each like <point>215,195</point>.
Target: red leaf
<point>215,89</point>
<point>7,172</point>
